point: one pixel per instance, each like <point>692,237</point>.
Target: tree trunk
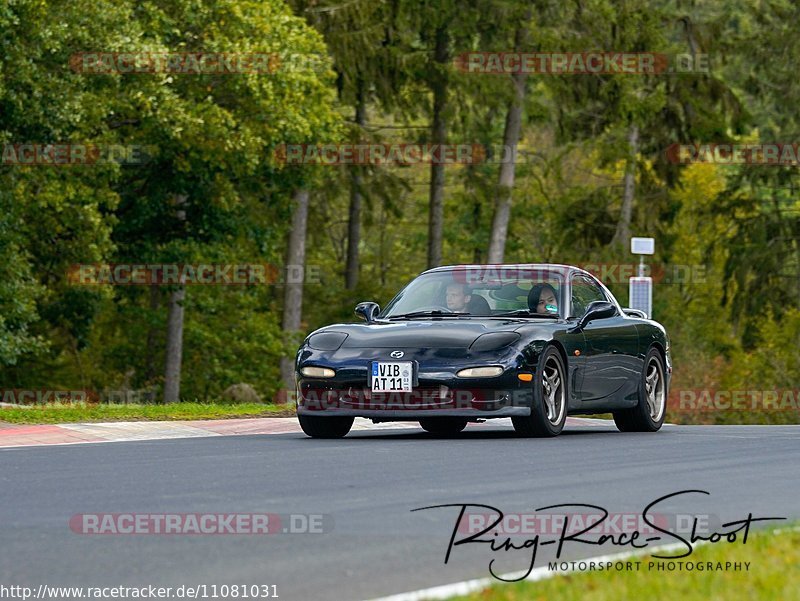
<point>174,355</point>
<point>438,136</point>
<point>293,293</point>
<point>505,184</point>
<point>172,369</point>
<point>622,235</point>
<point>354,218</point>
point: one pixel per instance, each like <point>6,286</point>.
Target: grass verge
<point>773,574</point>
<point>56,413</point>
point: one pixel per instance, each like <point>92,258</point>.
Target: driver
<point>458,296</point>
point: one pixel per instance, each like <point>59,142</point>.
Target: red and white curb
<point>14,435</point>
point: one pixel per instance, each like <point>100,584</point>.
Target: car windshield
<point>490,291</point>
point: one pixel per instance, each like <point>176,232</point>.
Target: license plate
<point>396,376</point>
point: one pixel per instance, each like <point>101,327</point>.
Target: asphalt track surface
<point>366,485</point>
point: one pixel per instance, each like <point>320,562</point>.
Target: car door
<point>611,345</point>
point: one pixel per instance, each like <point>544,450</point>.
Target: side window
<point>584,292</point>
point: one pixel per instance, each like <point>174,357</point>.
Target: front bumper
<point>437,391</point>
<point>428,399</point>
<point>415,415</point>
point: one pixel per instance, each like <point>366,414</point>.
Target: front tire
<point>443,426</point>
<point>648,415</point>
<point>317,426</point>
<point>549,409</point>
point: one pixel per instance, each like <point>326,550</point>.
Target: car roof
<point>559,268</point>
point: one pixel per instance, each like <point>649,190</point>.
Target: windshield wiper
<point>525,313</point>
<point>435,313</point>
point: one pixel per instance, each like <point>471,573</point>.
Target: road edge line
<point>465,587</point>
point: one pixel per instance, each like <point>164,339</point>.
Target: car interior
<point>497,298</point>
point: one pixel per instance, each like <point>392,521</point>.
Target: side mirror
<point>367,311</point>
<point>596,310</point>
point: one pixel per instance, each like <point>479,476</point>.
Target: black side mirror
<point>596,310</point>
<point>367,311</point>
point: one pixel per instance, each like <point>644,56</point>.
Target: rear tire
<point>317,426</point>
<point>443,426</point>
<point>648,415</point>
<point>549,408</point>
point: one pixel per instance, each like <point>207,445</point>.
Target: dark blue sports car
<point>465,343</point>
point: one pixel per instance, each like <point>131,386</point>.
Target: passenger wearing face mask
<point>543,299</point>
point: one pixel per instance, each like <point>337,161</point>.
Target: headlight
<point>326,341</point>
<point>493,341</point>
<point>481,372</point>
<point>317,372</point>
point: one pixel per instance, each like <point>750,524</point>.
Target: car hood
<point>427,333</point>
